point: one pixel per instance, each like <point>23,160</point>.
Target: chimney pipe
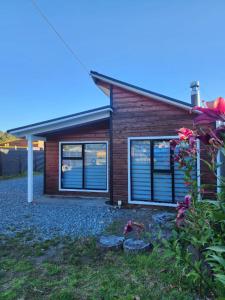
<point>195,93</point>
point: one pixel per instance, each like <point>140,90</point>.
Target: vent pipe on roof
<point>195,93</point>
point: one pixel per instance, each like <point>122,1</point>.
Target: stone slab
<point>136,246</point>
<point>111,242</point>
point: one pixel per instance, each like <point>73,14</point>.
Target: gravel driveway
<point>50,216</point>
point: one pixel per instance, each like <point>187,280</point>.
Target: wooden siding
<point>91,132</point>
<point>135,116</point>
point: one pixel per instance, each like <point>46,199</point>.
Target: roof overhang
<point>46,127</point>
<point>104,83</point>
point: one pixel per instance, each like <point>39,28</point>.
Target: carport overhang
<point>39,131</point>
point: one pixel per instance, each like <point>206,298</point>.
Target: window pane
<point>72,150</point>
<point>95,171</point>
<point>162,187</point>
<point>72,174</point>
<point>140,171</point>
<point>181,189</point>
<point>161,155</point>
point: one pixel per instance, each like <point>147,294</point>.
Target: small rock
<point>111,242</point>
<point>136,246</point>
<point>163,217</point>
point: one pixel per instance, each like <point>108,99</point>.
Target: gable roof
<point>98,78</point>
<point>52,125</point>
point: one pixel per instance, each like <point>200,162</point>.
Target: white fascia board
<point>35,138</point>
<point>62,123</point>
<point>137,91</point>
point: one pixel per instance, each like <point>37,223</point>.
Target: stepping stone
<point>111,242</point>
<point>163,217</point>
<point>136,246</point>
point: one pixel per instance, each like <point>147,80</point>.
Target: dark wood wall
<point>133,116</point>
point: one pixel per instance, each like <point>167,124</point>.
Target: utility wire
<point>59,36</point>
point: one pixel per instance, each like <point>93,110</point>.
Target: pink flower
<point>137,227</point>
<point>182,207</point>
<point>185,134</point>
<point>128,227</point>
<point>187,200</point>
<point>217,105</point>
<point>214,111</point>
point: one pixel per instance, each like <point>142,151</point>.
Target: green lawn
<point>77,269</point>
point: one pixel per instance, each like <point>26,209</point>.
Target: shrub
<point>198,241</point>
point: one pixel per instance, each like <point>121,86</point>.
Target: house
<point>120,151</point>
<point>21,144</point>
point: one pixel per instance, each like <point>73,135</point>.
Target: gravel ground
<point>50,217</point>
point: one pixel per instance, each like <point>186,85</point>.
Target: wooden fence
<point>13,162</point>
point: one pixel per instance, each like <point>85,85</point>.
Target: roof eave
<point>54,125</point>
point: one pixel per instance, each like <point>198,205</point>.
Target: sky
<point>159,45</point>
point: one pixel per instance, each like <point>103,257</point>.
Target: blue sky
<point>159,45</point>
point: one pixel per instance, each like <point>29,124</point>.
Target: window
<point>153,174</point>
<point>72,151</point>
<point>162,171</point>
<point>141,170</point>
<point>84,166</point>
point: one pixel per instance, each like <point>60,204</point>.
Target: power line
<point>45,18</point>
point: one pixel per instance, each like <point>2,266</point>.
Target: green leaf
<point>212,202</point>
<point>218,259</point>
<point>219,216</point>
<point>221,278</point>
<point>194,275</point>
<point>220,249</point>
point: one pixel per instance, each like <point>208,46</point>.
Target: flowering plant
<point>200,231</point>
<point>134,226</point>
<point>182,207</point>
<point>213,111</point>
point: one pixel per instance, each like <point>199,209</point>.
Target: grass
<point>67,269</point>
